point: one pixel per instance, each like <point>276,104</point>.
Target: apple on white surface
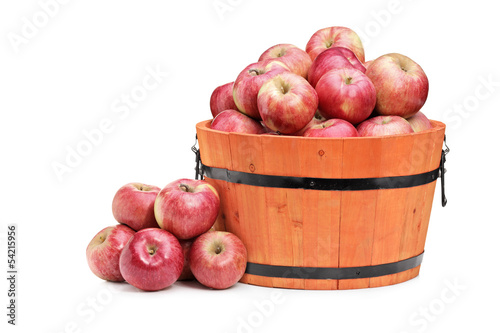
<point>186,273</point>
<point>218,259</point>
<point>187,207</point>
<point>247,84</point>
<point>384,125</point>
<point>235,121</point>
<point>419,122</point>
<point>103,251</point>
<point>152,259</point>
<point>332,128</point>
<point>222,99</point>
<point>401,85</point>
<point>133,205</point>
<point>326,38</point>
<point>296,59</point>
<point>346,94</point>
<point>333,58</point>
<point>287,103</point>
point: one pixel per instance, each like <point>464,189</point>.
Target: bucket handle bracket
<point>442,171</point>
<point>198,167</point>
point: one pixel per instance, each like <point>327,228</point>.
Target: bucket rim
<point>436,127</point>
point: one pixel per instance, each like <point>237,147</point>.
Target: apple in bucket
<point>346,94</point>
<point>235,121</point>
<point>222,99</point>
<point>296,59</point>
<point>326,38</point>
<point>401,84</point>
<point>287,103</point>
<point>384,125</point>
<point>332,128</point>
<point>248,83</point>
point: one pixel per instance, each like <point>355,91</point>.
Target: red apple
<point>103,251</point>
<point>346,94</point>
<point>287,103</point>
<point>384,125</point>
<point>296,59</point>
<point>133,205</point>
<point>222,99</point>
<point>419,122</point>
<point>247,84</point>
<point>235,121</point>
<point>367,64</point>
<point>218,259</point>
<point>186,269</point>
<point>187,207</point>
<point>152,259</point>
<point>335,36</point>
<point>317,119</point>
<point>401,85</point>
<point>333,58</point>
<point>333,128</point>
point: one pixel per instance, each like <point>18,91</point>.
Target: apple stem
<point>254,71</point>
<point>185,188</point>
<point>348,80</point>
<point>218,249</point>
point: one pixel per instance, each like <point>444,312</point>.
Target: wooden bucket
<point>325,213</point>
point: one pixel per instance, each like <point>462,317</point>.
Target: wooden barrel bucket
<point>325,213</point>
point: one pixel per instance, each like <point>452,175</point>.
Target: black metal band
<point>335,273</point>
<point>324,184</point>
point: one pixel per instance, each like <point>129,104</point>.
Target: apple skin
<point>186,273</point>
<point>187,207</point>
<point>384,125</point>
<point>248,83</point>
<point>296,59</point>
<point>419,122</point>
<point>222,99</point>
<point>326,38</point>
<point>346,94</point>
<point>218,259</point>
<point>235,121</point>
<point>152,259</point>
<point>333,58</point>
<point>317,119</point>
<point>133,205</point>
<point>287,103</point>
<point>401,84</point>
<point>103,251</point>
<point>367,64</point>
<point>332,128</point>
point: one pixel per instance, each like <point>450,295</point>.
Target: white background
<point>69,75</point>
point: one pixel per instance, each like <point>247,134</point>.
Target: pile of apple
<point>326,90</point>
<point>167,235</point>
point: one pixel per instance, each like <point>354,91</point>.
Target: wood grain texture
<point>310,228</point>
